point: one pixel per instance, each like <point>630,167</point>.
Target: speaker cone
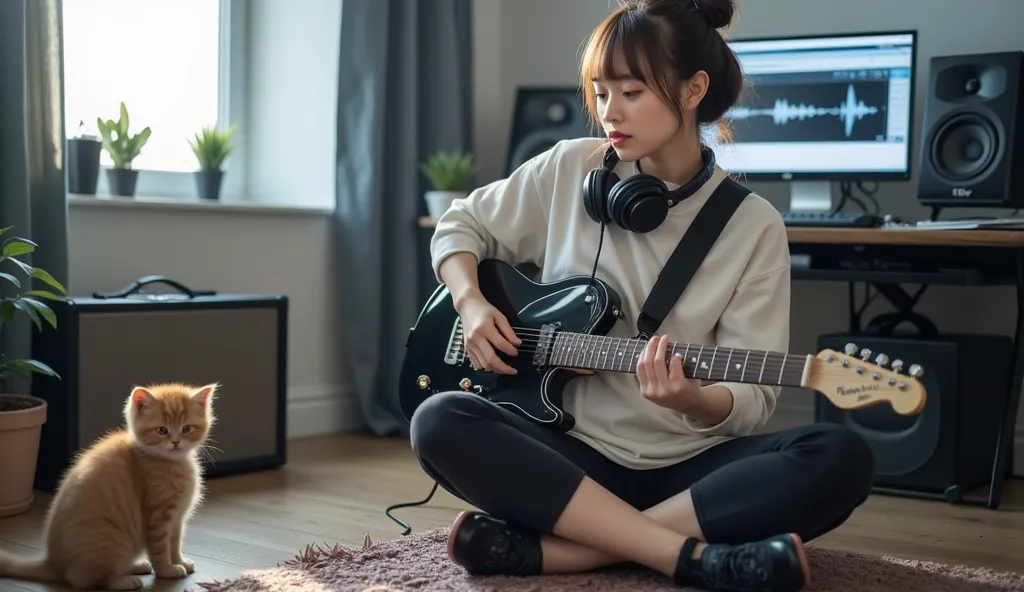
<point>965,147</point>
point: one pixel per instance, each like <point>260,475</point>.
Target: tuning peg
<point>882,359</point>
<point>916,370</point>
<point>850,349</point>
<point>865,354</point>
<point>896,365</point>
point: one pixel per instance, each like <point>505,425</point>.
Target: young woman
<point>659,470</point>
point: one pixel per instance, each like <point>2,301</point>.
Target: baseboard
<point>322,410</point>
<point>799,410</point>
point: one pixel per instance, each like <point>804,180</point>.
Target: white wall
<point>538,42</point>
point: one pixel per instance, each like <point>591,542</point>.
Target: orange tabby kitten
<point>128,496</point>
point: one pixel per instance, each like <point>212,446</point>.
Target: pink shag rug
<point>419,562</point>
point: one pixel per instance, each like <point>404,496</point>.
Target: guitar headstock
<point>851,380</point>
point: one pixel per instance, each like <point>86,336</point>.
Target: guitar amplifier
<point>108,343</point>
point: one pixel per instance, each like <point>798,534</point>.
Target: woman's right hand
<point>485,329</point>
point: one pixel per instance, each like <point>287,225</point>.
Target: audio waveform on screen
<point>851,110</point>
<point>859,109</point>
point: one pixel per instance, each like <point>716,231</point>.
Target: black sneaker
<point>777,564</point>
<point>483,544</point>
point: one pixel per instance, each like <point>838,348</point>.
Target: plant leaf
<point>10,278</point>
<point>33,366</point>
<point>45,311</point>
<point>28,309</point>
<point>43,294</point>
<point>25,267</point>
<point>18,246</point>
<point>4,231</point>
<point>48,279</point>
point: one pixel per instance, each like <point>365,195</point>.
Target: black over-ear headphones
<point>639,203</point>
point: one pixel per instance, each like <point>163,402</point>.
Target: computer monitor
<point>817,109</point>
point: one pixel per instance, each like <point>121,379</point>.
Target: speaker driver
<point>965,147</point>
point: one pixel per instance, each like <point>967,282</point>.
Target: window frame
<point>231,108</point>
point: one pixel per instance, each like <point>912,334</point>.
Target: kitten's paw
<point>142,567</point>
<point>125,583</point>
<point>171,572</point>
<point>188,564</point>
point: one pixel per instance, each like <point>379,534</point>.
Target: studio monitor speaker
<point>102,347</point>
<point>949,447</point>
<point>972,152</point>
<point>542,117</point>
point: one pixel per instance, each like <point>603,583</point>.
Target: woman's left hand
<point>665,384</point>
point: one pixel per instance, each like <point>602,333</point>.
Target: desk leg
<point>1008,428</point>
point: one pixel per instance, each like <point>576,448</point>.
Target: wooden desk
<point>885,236</point>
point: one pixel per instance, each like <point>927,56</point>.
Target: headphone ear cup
<point>638,203</point>
<point>595,191</point>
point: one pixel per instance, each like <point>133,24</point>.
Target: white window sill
<point>195,204</point>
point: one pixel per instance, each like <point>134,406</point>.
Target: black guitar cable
<point>408,529</point>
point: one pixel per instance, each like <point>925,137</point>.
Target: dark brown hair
<point>665,42</point>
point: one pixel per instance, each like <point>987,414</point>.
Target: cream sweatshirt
<point>740,296</point>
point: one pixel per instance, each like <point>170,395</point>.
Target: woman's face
<point>635,118</point>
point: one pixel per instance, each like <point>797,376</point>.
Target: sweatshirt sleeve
<point>757,317</point>
<point>506,219</point>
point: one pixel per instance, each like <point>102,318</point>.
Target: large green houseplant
<point>123,147</point>
<point>21,416</point>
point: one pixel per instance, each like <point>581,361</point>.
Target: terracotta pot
<point>21,422</point>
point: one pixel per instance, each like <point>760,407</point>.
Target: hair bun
<point>717,13</point>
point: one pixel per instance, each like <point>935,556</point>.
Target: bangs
<point>627,37</point>
<point>621,48</point>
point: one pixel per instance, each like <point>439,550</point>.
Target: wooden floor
<point>335,489</point>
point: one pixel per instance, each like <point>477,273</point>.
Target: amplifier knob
<point>423,381</point>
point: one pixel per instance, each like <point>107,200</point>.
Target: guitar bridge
<point>455,353</point>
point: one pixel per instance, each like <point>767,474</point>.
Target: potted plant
<point>211,147</point>
<point>450,174</point>
<point>21,416</point>
<point>123,147</point>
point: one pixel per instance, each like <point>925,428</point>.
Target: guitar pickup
<point>455,353</point>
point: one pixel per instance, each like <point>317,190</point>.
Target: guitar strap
<point>689,254</point>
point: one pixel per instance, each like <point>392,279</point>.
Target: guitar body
<point>435,360</point>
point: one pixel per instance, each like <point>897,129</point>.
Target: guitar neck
<point>724,364</point>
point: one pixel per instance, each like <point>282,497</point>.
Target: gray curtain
<point>32,182</point>
<point>404,92</point>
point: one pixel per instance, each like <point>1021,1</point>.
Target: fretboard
<point>725,364</point>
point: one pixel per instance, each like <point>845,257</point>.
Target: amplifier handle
<point>152,279</point>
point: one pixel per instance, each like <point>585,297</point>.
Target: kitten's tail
<point>25,568</point>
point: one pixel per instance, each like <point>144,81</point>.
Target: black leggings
<point>806,480</point>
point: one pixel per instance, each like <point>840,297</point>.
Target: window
<point>170,62</point>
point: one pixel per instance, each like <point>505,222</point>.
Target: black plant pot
<point>208,184</point>
<point>122,181</point>
<point>83,165</point>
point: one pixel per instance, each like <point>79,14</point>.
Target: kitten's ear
<point>141,398</point>
<point>204,395</point>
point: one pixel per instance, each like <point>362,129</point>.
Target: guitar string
<point>791,369</point>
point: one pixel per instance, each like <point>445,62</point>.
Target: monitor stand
<point>810,196</point>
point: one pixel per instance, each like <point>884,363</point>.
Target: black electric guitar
<point>563,327</point>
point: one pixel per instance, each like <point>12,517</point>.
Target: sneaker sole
<point>804,567</point>
<point>454,531</point>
